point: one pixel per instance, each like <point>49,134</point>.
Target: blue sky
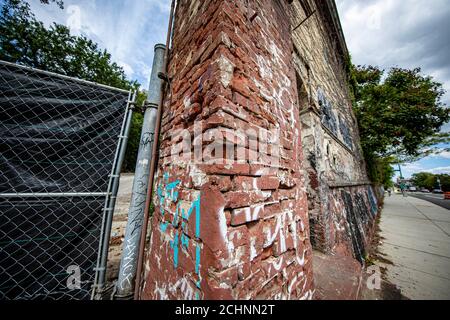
<point>407,34</point>
<point>128,29</point>
<point>379,32</point>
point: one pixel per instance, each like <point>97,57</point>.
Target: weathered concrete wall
<point>352,215</point>
<point>233,229</point>
<point>329,133</point>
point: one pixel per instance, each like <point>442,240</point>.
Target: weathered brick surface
<point>235,219</point>
<point>240,229</point>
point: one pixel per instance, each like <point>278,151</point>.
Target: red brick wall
<point>232,226</point>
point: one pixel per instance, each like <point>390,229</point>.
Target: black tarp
<point>57,135</point>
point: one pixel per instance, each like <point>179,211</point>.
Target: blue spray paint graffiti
<point>328,118</point>
<point>373,201</point>
<point>345,132</point>
<point>330,121</point>
<point>169,192</point>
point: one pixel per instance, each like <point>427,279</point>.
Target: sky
<point>128,29</point>
<point>407,34</point>
<point>385,33</point>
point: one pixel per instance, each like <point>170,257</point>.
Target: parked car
<point>438,191</point>
<point>424,190</point>
<point>412,189</point>
<point>447,196</point>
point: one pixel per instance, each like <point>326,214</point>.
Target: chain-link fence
<point>61,140</point>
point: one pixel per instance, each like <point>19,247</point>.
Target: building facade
<point>259,155</point>
<point>342,202</point>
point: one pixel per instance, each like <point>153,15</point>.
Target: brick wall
<point>231,218</point>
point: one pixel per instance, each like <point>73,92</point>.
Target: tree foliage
<point>430,181</point>
<point>60,3</point>
<point>399,114</point>
<point>25,40</point>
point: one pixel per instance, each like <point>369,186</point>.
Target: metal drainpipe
<point>128,266</point>
<point>153,163</point>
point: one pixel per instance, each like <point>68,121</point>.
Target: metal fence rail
<point>61,141</point>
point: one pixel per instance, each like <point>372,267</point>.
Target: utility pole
<point>399,167</point>
<point>400,171</point>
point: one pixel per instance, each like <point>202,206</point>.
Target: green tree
<point>399,117</point>
<point>424,180</point>
<point>445,182</point>
<point>134,139</point>
<point>60,3</point>
<point>430,181</point>
<point>25,40</point>
<point>399,114</point>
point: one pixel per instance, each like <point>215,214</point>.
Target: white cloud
<point>413,167</point>
<point>127,68</point>
<point>442,155</point>
<point>407,34</point>
<point>440,170</point>
<point>128,29</point>
<point>74,18</point>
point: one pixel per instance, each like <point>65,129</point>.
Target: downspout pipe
<point>154,161</point>
<point>128,264</point>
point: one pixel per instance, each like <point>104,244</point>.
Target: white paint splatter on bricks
<point>265,195</point>
<point>253,252</point>
<point>226,70</point>
<point>160,291</point>
<point>223,285</point>
<point>235,258</point>
<point>301,261</point>
<point>308,295</point>
<point>263,91</point>
<point>276,53</point>
<point>271,236</point>
<point>291,285</point>
<point>186,287</point>
<point>187,102</point>
<point>251,213</point>
<point>282,242</point>
<point>224,230</point>
<point>277,266</point>
<point>264,69</point>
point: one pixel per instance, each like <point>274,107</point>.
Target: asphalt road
<point>437,199</point>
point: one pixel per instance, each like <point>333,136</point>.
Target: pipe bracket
<point>149,105</point>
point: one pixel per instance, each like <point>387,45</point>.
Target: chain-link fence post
<point>110,203</point>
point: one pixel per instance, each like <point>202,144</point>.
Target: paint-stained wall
<point>335,168</point>
<point>239,229</point>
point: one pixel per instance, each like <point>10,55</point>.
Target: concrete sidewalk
<point>416,239</point>
<point>119,224</point>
